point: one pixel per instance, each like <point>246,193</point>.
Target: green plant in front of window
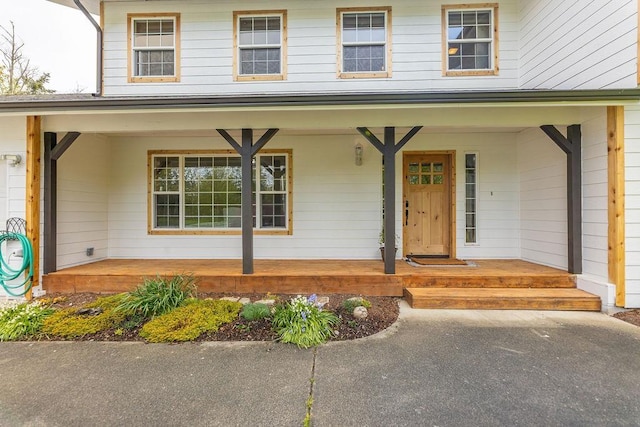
<point>23,320</point>
<point>302,321</point>
<point>255,311</point>
<point>159,295</point>
<point>97,316</point>
<point>188,322</point>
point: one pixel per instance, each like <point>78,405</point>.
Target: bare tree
<point>17,75</point>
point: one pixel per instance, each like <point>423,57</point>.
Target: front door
<point>426,203</point>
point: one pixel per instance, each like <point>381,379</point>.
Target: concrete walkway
<point>434,367</point>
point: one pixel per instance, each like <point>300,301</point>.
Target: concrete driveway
<point>433,368</point>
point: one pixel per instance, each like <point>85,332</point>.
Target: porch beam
<point>247,150</point>
<point>572,146</point>
<point>32,208</point>
<point>389,148</point>
<point>53,150</point>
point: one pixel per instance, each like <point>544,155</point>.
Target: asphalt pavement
<point>432,368</point>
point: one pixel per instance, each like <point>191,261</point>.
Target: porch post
<point>389,149</point>
<point>52,152</point>
<point>247,150</point>
<point>32,208</point>
<point>572,146</point>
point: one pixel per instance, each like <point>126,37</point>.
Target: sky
<point>57,39</point>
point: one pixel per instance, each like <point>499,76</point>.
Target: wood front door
<point>427,204</point>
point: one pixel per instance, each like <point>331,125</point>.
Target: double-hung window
<point>201,192</point>
<point>364,42</point>
<point>154,50</point>
<point>260,45</point>
<point>470,39</point>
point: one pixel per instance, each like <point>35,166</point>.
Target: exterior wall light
<point>358,152</point>
<point>14,158</point>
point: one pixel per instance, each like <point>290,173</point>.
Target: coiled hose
<point>7,273</point>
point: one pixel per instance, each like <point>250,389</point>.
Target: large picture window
<point>153,48</point>
<point>199,192</point>
<point>260,45</point>
<point>470,39</point>
<point>364,42</point>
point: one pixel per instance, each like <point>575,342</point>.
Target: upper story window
<point>364,42</point>
<point>154,48</point>
<point>470,39</point>
<point>260,45</point>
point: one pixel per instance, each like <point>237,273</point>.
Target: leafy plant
<point>71,323</point>
<point>255,311</point>
<point>159,295</point>
<point>22,320</point>
<point>188,322</point>
<point>351,303</point>
<point>302,321</point>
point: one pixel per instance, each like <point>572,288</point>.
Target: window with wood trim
<point>260,45</point>
<point>154,48</point>
<point>364,42</point>
<point>202,191</point>
<point>470,39</point>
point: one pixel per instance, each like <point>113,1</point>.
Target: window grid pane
<point>153,47</point>
<point>260,44</point>
<point>471,193</point>
<point>364,42</point>
<point>469,39</point>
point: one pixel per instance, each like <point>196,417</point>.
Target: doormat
<point>431,261</point>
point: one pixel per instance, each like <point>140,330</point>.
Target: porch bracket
<point>572,146</point>
<point>247,150</point>
<point>389,148</point>
<point>52,152</point>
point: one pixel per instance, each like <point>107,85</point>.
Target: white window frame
<point>493,56</point>
<point>133,77</point>
<point>181,192</point>
<point>475,198</point>
<point>238,46</point>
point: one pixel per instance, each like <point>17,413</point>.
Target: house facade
<point>503,130</point>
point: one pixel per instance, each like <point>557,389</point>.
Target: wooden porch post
<point>52,152</point>
<point>247,150</point>
<point>572,146</point>
<point>32,208</point>
<point>389,149</point>
<point>616,183</point>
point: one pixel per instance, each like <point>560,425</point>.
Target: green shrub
<point>256,311</point>
<point>68,323</point>
<point>302,321</point>
<point>350,304</point>
<point>188,322</point>
<point>159,295</point>
<point>22,320</point>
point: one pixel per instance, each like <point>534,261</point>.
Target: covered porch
<point>497,284</point>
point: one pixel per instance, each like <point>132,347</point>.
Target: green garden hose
<point>8,274</point>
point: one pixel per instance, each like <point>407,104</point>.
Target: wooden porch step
<point>489,280</point>
<point>502,299</point>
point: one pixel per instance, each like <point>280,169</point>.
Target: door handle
<point>406,213</point>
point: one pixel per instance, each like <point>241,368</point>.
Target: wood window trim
<point>258,232</point>
<point>260,77</point>
<point>445,40</point>
<point>160,79</point>
<point>388,47</point>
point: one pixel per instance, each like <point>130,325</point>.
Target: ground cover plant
<point>22,320</point>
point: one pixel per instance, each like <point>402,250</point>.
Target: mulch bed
<point>382,314</point>
<point>631,316</point>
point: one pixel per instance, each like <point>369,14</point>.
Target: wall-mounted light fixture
<point>358,152</point>
<point>15,159</point>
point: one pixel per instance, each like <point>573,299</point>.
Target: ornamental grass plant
<point>302,321</point>
<point>159,295</point>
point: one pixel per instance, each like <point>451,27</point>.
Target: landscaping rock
<point>323,301</point>
<point>232,299</point>
<point>360,313</point>
<point>244,301</point>
<point>267,302</point>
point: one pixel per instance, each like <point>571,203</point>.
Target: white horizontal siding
<point>578,44</point>
<point>632,205</point>
<point>83,201</point>
<point>543,205</point>
<point>207,49</point>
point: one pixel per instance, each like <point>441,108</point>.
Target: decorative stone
<point>244,301</point>
<point>360,313</point>
<point>323,301</point>
<point>232,299</point>
<point>268,302</point>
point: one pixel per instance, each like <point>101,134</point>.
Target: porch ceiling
<point>477,118</point>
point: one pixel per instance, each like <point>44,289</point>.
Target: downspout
<point>99,50</point>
